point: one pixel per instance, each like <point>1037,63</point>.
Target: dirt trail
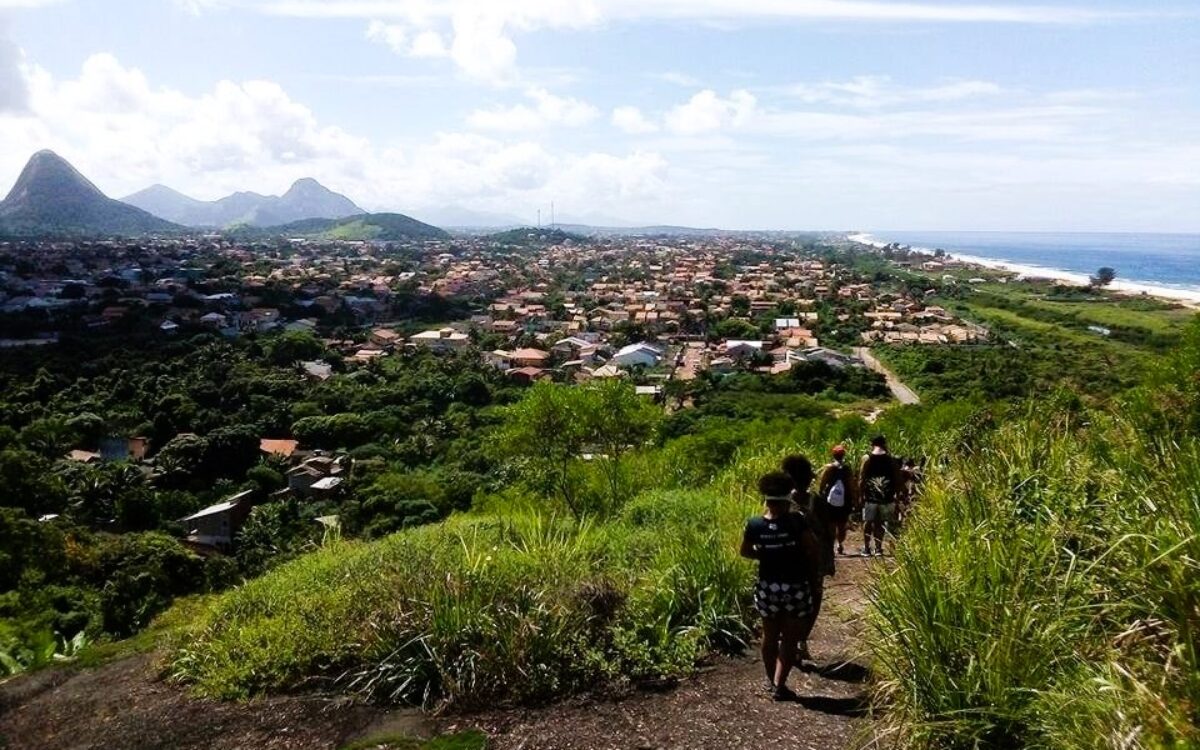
<point>902,392</point>
<point>724,707</point>
<point>124,705</point>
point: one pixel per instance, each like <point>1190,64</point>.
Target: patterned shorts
<point>782,599</point>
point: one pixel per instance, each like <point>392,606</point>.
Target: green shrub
<point>482,608</point>
<point>1045,593</point>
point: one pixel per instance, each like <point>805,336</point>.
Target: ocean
<point>1150,262</point>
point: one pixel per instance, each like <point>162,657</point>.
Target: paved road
<point>902,392</point>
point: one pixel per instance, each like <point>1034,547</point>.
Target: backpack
<point>836,498</point>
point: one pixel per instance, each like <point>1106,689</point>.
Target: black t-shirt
<point>777,540</point>
<point>879,478</point>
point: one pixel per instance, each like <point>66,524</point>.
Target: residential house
<point>527,375</point>
<point>123,449</point>
<point>385,338</point>
<point>530,358</point>
<point>444,340</point>
<point>280,448</point>
<point>216,525</point>
<point>633,355</point>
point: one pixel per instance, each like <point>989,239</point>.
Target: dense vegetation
<point>1043,338</point>
<point>1045,593</point>
<point>1046,590</point>
<point>110,560</point>
<point>417,429</point>
<point>565,578</point>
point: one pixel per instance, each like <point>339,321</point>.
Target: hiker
<point>878,481</point>
<point>907,492</point>
<point>800,469</point>
<point>788,574</point>
<point>836,492</point>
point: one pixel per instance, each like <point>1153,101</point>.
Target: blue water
<point>1168,260</point>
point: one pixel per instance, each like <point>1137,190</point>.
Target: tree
<point>395,500</point>
<point>738,329</point>
<point>294,346</point>
<point>181,459</point>
<point>1103,277</point>
<point>546,431</point>
<point>554,425</point>
<point>345,430</point>
<point>617,420</point>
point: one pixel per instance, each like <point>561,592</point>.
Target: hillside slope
<point>52,198</point>
<point>384,226</point>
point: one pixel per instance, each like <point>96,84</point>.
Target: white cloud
<point>428,44</point>
<point>126,133</point>
<point>879,91</point>
<point>392,35</point>
<point>14,94</point>
<point>676,78</point>
<point>707,112</point>
<point>546,110</point>
<point>631,120</point>
<point>481,31</point>
<point>533,14</point>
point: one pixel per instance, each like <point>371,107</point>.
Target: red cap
<point>839,450</point>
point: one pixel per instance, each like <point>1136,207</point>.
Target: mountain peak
<point>51,196</point>
<point>305,199</point>
<point>47,176</point>
<point>307,187</point>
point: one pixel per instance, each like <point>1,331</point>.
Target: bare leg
<point>770,646</point>
<point>808,622</point>
<point>839,533</point>
<point>787,649</point>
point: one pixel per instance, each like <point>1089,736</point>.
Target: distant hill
<point>385,227</point>
<point>51,198</point>
<point>305,199</point>
<point>663,230</point>
<point>535,236</point>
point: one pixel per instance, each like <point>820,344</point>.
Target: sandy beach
<point>1190,297</point>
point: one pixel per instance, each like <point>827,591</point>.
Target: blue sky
<point>804,114</point>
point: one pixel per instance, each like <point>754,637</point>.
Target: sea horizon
<point>1158,263</point>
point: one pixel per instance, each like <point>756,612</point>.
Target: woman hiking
<point>837,493</point>
<point>788,573</point>
<point>815,511</point>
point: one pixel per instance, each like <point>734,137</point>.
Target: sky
<point>1060,115</point>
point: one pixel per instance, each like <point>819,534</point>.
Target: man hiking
<point>878,482</point>
<point>786,551</point>
<point>800,469</point>
<point>837,493</point>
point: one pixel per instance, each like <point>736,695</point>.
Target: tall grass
<point>480,609</point>
<point>1046,592</point>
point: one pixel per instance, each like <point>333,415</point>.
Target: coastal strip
<point>1190,296</point>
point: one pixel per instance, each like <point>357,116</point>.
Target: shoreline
<point>1024,271</point>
